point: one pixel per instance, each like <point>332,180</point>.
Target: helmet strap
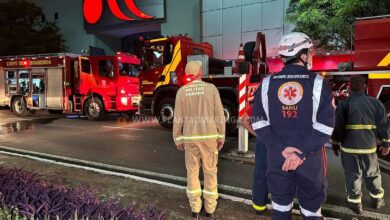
<point>305,62</point>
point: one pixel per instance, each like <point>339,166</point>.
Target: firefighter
<point>259,187</point>
<point>199,130</point>
<point>360,120</point>
<point>294,116</point>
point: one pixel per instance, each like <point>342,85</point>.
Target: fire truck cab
<point>70,83</point>
<point>163,62</point>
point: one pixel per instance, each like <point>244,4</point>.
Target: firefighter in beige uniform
<point>199,129</point>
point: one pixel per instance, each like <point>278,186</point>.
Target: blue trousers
<point>260,189</point>
<point>308,182</point>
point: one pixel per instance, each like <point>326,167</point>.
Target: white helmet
<point>292,43</point>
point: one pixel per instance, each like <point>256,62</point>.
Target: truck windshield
<point>155,55</point>
<point>126,69</point>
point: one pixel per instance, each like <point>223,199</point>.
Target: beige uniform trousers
<point>205,153</point>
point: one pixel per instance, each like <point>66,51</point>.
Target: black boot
<point>377,203</point>
<point>210,215</point>
<point>356,207</point>
<point>195,215</point>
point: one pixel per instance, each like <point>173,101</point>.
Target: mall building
<point>223,23</point>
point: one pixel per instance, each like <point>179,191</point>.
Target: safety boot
<point>209,215</point>
<point>377,203</point>
<point>356,207</point>
<point>195,215</point>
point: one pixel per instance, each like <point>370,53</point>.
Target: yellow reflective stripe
<point>377,196</point>
<point>157,40</point>
<point>359,151</point>
<point>259,207</point>
<point>197,191</point>
<point>385,61</point>
<point>171,66</point>
<point>386,140</point>
<point>379,75</point>
<point>360,127</point>
<point>358,200</point>
<point>210,193</point>
<point>199,137</point>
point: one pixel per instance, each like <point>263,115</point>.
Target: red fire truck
<point>370,58</point>
<point>69,83</point>
<point>162,73</point>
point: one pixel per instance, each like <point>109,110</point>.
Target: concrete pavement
<point>142,145</point>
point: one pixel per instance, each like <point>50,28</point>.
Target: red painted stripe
<point>242,86</point>
<point>242,99</point>
<point>324,160</point>
<point>242,112</point>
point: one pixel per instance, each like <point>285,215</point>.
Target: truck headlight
<point>135,100</point>
<point>124,100</point>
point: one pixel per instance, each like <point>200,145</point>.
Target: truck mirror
<point>243,67</point>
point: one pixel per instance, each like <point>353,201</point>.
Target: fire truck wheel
<point>165,109</point>
<point>230,115</point>
<point>94,110</point>
<point>19,107</point>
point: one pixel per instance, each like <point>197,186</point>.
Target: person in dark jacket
<point>360,120</point>
<point>294,117</point>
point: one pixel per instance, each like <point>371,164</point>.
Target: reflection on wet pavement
<point>19,126</point>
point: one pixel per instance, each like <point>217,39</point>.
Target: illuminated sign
<point>27,63</point>
<point>93,10</point>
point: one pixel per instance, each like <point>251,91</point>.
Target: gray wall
<point>71,24</point>
<point>227,23</point>
<point>182,16</point>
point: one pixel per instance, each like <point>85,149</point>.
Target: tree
<point>25,31</point>
<point>330,22</point>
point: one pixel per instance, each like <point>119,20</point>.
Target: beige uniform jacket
<point>198,114</point>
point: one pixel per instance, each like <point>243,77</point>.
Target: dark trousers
<point>260,189</point>
<point>357,166</point>
<point>308,182</point>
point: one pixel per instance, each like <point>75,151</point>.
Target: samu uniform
<point>199,123</point>
<point>294,108</point>
<point>359,121</point>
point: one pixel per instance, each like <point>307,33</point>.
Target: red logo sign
<point>93,10</point>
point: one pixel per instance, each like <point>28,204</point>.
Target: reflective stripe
<point>377,196</point>
<point>264,100</point>
<point>308,213</point>
<point>360,127</point>
<point>259,207</point>
<point>260,124</point>
<point>358,200</point>
<point>359,151</point>
<point>282,208</point>
<point>323,128</point>
<point>385,140</point>
<point>199,137</point>
<point>194,192</point>
<point>317,88</point>
<point>210,193</point>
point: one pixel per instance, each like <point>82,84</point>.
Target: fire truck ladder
<point>78,103</point>
<point>113,103</point>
